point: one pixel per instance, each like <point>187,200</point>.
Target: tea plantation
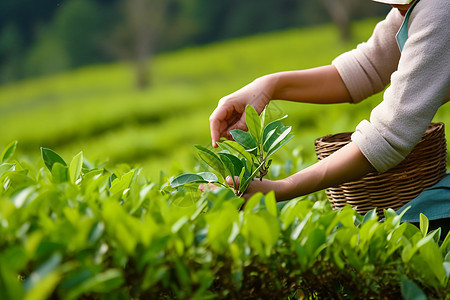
<point>87,211</point>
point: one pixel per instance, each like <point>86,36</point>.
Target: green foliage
<point>247,156</point>
<point>8,152</point>
<point>99,234</point>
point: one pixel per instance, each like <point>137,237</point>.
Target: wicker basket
<point>422,168</point>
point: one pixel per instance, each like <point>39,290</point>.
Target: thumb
<point>229,181</point>
<point>240,124</point>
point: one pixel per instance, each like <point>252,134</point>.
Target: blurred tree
<point>18,19</point>
<point>41,37</point>
<point>342,12</point>
<point>136,37</point>
<point>219,20</point>
<point>11,50</point>
<point>47,56</point>
<point>79,25</point>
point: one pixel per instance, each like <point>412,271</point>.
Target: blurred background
<point>134,81</point>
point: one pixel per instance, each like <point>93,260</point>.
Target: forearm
<point>345,165</point>
<point>318,85</point>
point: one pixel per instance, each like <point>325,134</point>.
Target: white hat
<point>395,1</point>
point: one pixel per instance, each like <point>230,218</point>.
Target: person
<point>410,50</point>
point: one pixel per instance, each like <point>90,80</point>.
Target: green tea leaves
<point>8,152</point>
<point>248,155</point>
<point>233,164</point>
<point>212,160</point>
<point>113,235</point>
<point>245,139</point>
<point>424,223</point>
<point>75,167</point>
<point>50,157</point>
<point>411,291</point>
<point>203,177</point>
<point>253,123</point>
<point>60,173</point>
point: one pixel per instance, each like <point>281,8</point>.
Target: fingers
<point>215,120</point>
<point>229,181</point>
<point>219,120</point>
<point>240,124</point>
<point>224,118</point>
<point>203,187</point>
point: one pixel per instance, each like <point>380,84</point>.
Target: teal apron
<point>402,34</point>
<point>433,202</point>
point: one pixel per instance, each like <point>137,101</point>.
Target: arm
<point>418,88</point>
<point>318,85</point>
<point>346,164</point>
<point>322,85</point>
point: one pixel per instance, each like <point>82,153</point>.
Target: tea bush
<point>245,157</point>
<point>75,230</point>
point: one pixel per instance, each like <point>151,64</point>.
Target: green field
<point>97,110</point>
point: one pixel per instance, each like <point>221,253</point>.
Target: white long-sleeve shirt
<point>419,78</point>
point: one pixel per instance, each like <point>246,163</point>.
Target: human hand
<point>256,185</point>
<point>260,186</point>
<point>229,114</point>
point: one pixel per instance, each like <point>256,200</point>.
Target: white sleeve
<point>418,88</point>
<point>367,69</point>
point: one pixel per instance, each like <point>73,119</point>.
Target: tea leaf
<point>243,175</point>
<point>245,139</point>
<point>186,179</point>
<point>283,132</point>
<point>432,261</point>
<point>370,215</point>
<point>229,167</point>
<point>445,246</point>
<point>272,132</point>
<point>260,229</point>
<point>268,132</point>
<point>237,164</point>
<point>212,160</point>
<point>315,242</point>
<point>208,176</point>
<point>50,157</point>
<point>389,213</point>
<point>281,144</point>
<point>75,167</point>
<point>233,146</point>
<point>423,224</point>
<point>246,169</point>
<point>253,123</point>
<point>10,287</point>
<point>24,196</point>
<point>60,173</point>
<point>8,152</point>
<point>204,177</point>
<point>103,282</point>
<point>119,185</point>
<point>411,291</point>
<point>253,202</point>
<point>271,203</point>
<point>42,271</point>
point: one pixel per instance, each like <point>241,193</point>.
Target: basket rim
<point>422,168</point>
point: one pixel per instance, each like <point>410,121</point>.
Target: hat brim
<point>399,2</point>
